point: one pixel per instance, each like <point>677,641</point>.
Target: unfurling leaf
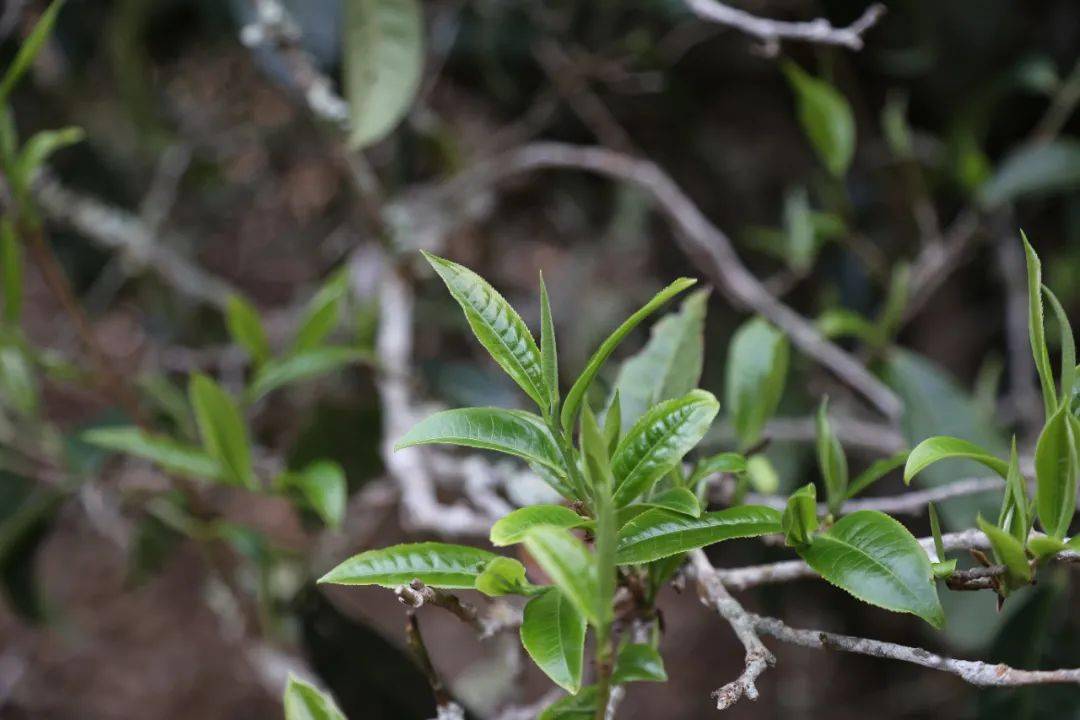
<point>1009,552</point>
<point>222,428</point>
<point>513,527</point>
<point>638,662</point>
<point>939,448</point>
<point>304,701</point>
<point>876,559</point>
<point>553,633</point>
<point>549,359</point>
<point>832,461</point>
<point>826,118</point>
<point>439,565</point>
<point>1037,328</point>
<point>503,576</point>
<point>656,533</point>
<point>800,518</point>
<point>757,365</point>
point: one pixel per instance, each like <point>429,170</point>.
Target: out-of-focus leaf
<point>1039,169</point>
<point>875,472</point>
<point>300,367</point>
<point>222,428</point>
<point>439,565</point>
<point>322,314</point>
<point>171,455</point>
<point>757,365</point>
<point>384,58</point>
<point>513,527</point>
<point>894,124</point>
<point>826,118</point>
<point>38,149</point>
<point>323,487</point>
<point>11,270</point>
<point>18,386</point>
<point>762,474</point>
<point>935,449</point>
<point>670,363</point>
<point>553,633</point>
<point>841,322</point>
<point>832,462</point>
<point>801,240</point>
<point>306,702</point>
<point>656,533</point>
<point>638,662</point>
<point>246,328</point>
<point>29,49</point>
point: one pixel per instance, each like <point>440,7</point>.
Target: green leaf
<point>638,662</point>
<point>1074,544</point>
<point>553,633</point>
<point>943,568</point>
<point>1009,552</point>
<point>300,367</point>
<point>757,365</point>
<point>939,448</point>
<point>497,326</point>
<point>678,500</point>
<point>1037,328</point>
<point>11,271</point>
<point>876,559</point>
<point>503,576</point>
<point>581,385</point>
<point>842,322</point>
<point>1068,348</point>
<point>762,475</point>
<point>725,462</point>
<point>18,386</point>
<point>1015,516</point>
<point>1056,468</point>
<point>384,60</point>
<point>1036,169</point>
<point>613,423</point>
<point>670,363</point>
<point>569,565</point>
<point>29,49</point>
<point>246,328</point>
<point>800,240</point>
<point>322,485</point>
<point>38,149</point>
<point>514,432</point>
<point>1044,546</point>
<point>439,565</point>
<point>826,118</point>
<point>549,358</point>
<point>573,707</point>
<point>305,702</point>
<point>655,534</point>
<point>876,471</point>
<point>164,451</point>
<point>832,462</point>
<point>512,528</point>
<point>800,519</point>
<point>222,429</point>
<point>658,441</point>
<point>322,313</point>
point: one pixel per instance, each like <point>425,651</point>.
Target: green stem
<point>604,660</point>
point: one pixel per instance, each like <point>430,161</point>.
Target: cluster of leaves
<point>633,508</point>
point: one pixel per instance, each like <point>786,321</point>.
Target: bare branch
<point>771,32</point>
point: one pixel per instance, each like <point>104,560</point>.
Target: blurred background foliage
<point>109,616</point>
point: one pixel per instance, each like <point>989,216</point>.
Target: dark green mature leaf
<point>876,471</point>
<point>503,576</point>
<point>553,633</point>
<point>300,367</point>
<point>1034,169</point>
<point>549,357</point>
<point>676,499</point>
<point>222,429</point>
<point>1037,328</point>
<point>384,59</point>
<point>939,448</point>
<point>826,118</point>
<point>1056,468</point>
<point>513,527</point>
<point>29,49</point>
<point>1068,348</point>
<point>876,559</point>
<point>800,518</point>
<point>11,270</point>
<point>322,485</point>
<point>439,565</point>
<point>1009,552</point>
<point>246,328</point>
<point>638,662</point>
<point>832,461</point>
<point>514,432</point>
<point>581,385</point>
<point>573,707</point>
<point>655,534</point>
<point>497,326</point>
<point>569,565</point>
<point>658,441</point>
<point>164,451</point>
<point>306,702</point>
<point>670,363</point>
<point>757,365</point>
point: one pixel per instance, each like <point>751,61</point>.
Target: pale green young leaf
<point>832,462</point>
<point>876,471</point>
<point>594,451</point>
<point>1044,546</point>
<point>549,359</point>
<point>322,314</point>
<point>658,441</point>
<point>656,533</point>
<point>1009,552</point>
<point>11,270</point>
<point>756,369</point>
<point>939,448</point>
<point>440,565</point>
<point>503,576</point>
<point>1074,544</point>
<point>300,367</point>
<point>1035,169</point>
<point>18,384</point>
<point>323,487</point>
<point>38,149</point>
<point>581,385</point>
<point>601,482</point>
<point>1056,469</point>
<point>581,706</point>
<point>670,363</point>
<point>383,64</point>
<point>1037,328</point>
<point>842,322</point>
<point>935,532</point>
<point>762,474</point>
<point>29,49</point>
<point>826,118</point>
<point>246,328</point>
<point>677,499</point>
<point>497,326</point>
<point>892,313</point>
<point>873,557</point>
<point>222,429</point>
<point>570,566</point>
<point>638,662</point>
<point>1015,516</point>
<point>304,701</point>
<point>514,432</point>
<point>1068,348</point>
<point>613,423</point>
<point>513,527</point>
<point>553,633</point>
<point>800,517</point>
<point>725,462</point>
<point>169,454</point>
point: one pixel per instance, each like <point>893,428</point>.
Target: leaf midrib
<point>875,561</point>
